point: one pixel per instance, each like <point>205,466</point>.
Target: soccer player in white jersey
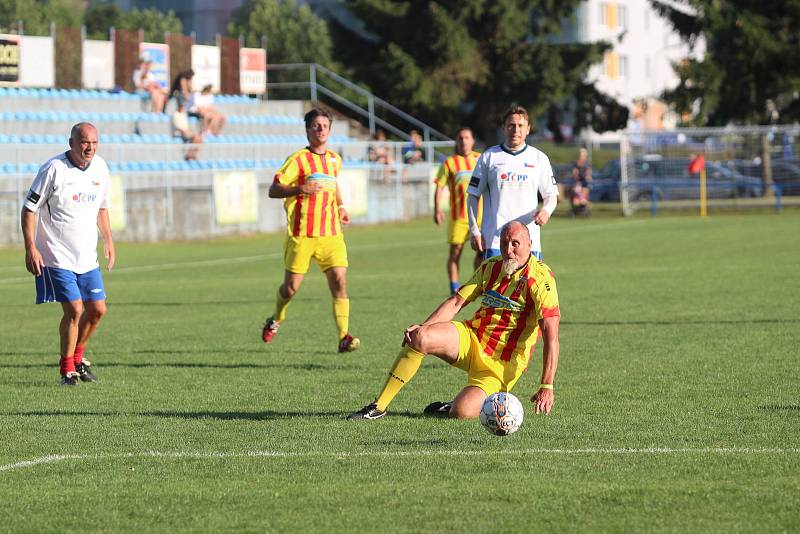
<point>508,178</point>
<point>70,197</point>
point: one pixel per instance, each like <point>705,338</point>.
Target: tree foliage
<point>451,61</point>
<point>38,15</point>
<point>294,34</point>
<point>101,17</point>
<point>751,69</point>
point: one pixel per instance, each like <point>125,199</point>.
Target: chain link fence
<point>743,167</point>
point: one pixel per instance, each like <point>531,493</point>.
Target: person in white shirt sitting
<point>201,106</point>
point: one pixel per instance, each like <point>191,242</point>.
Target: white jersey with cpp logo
<point>67,200</point>
<point>509,182</point>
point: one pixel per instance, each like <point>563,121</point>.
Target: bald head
<point>515,228</point>
<point>515,245</point>
<point>83,141</point>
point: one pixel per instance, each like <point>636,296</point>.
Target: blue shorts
<point>61,285</point>
<point>492,252</point>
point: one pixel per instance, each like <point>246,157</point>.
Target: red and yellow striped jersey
<point>314,215</point>
<point>507,323</point>
<point>455,174</point>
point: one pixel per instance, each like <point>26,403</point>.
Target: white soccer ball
<point>501,414</point>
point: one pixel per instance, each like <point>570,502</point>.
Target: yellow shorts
<point>489,374</point>
<point>328,251</point>
<point>457,231</point>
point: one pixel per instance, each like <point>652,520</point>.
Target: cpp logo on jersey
<point>512,176</point>
<point>84,198</point>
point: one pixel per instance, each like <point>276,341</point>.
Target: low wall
<point>184,205</point>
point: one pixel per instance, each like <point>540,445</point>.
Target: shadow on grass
<point>187,303</point>
<point>183,365</point>
<point>223,416</point>
<point>780,408</point>
<point>246,416</point>
<point>681,322</point>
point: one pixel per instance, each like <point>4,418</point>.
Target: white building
<point>639,66</point>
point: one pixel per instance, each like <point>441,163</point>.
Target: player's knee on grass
<point>468,403</point>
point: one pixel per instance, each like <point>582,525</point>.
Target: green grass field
<point>677,398</point>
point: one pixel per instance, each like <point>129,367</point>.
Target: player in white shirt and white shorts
<point>508,178</point>
<point>66,204</point>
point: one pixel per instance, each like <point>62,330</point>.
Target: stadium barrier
<point>154,201</point>
<point>704,169</point>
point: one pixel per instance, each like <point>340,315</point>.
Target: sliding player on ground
<point>518,302</point>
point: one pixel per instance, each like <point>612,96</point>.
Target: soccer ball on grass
<point>501,414</point>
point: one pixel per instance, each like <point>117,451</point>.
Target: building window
<point>611,65</point>
<point>622,16</point>
<point>622,69</point>
<point>608,14</point>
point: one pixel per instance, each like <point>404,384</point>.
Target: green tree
<point>153,22</point>
<point>751,70</point>
<point>100,18</point>
<point>37,15</point>
<point>466,61</point>
<point>293,32</point>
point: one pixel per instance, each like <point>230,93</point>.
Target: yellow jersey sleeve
<point>289,172</point>
<point>545,294</point>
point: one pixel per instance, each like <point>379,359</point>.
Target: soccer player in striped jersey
<point>315,215</point>
<point>454,174</point>
<point>509,178</point>
<point>519,302</point>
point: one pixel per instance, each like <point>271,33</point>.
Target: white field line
<point>228,261</point>
<point>277,255</point>
<point>653,451</point>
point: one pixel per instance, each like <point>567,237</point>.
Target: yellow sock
<point>281,304</point>
<point>403,370</point>
<point>341,314</point>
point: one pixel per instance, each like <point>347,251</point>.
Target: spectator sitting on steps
<point>145,83</point>
<point>181,128</point>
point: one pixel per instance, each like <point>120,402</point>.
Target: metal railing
<point>375,111</point>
